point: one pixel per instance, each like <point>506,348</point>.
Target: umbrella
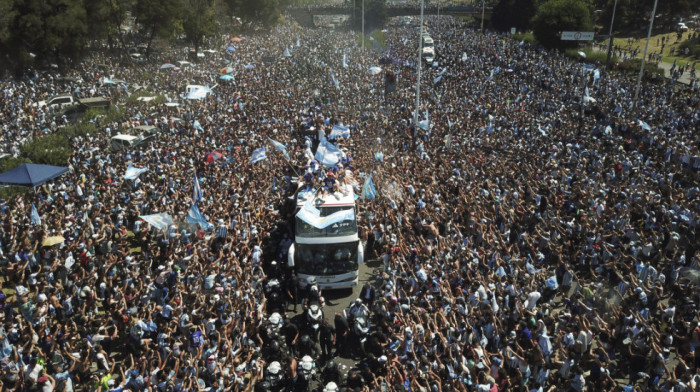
<point>53,240</point>
<point>236,39</point>
<point>582,54</point>
<point>231,49</point>
<point>167,65</point>
<point>375,70</point>
<point>226,77</point>
<point>226,70</point>
<point>212,156</point>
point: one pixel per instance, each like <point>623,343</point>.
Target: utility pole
<point>420,60</point>
<point>644,57</point>
<point>610,44</point>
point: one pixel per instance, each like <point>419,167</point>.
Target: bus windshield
<point>326,259</point>
<point>348,227</point>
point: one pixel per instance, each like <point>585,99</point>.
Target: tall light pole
<point>644,57</point>
<point>483,10</point>
<point>610,44</point>
<point>420,60</point>
<point>363,24</point>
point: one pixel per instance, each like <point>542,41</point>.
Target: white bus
<point>332,255</point>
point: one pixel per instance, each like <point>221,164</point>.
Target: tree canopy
<point>513,13</point>
<point>556,16</point>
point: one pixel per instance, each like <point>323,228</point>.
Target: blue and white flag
<point>133,173</point>
<point>196,190</point>
<point>325,221</point>
<point>249,66</point>
<point>34,216</point>
<point>587,93</point>
<point>194,216</point>
<point>327,153</point>
<point>335,81</point>
<point>449,123</point>
<point>286,53</point>
<point>618,109</point>
<point>437,80</point>
<point>542,131</point>
<point>160,221</point>
<point>494,71</point>
<point>258,155</point>
<point>298,42</point>
<point>379,156</point>
<point>644,125</point>
<point>345,60</point>
<point>339,131</point>
<point>280,147</point>
<point>197,125</point>
<point>587,68</point>
<point>368,189</point>
<point>596,76</point>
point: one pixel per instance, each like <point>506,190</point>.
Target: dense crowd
<point>527,241</point>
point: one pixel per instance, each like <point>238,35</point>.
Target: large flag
<point>279,146</point>
<point>133,173</point>
<point>197,125</point>
<point>196,190</point>
<point>325,221</point>
<point>194,216</point>
<point>34,216</point>
<point>335,81</point>
<point>368,189</point>
<point>339,131</point>
<point>587,68</point>
<point>327,153</point>
<point>258,155</point>
<point>160,221</point>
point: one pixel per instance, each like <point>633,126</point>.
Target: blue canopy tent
<point>30,174</point>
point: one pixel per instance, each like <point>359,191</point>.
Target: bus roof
<point>346,197</point>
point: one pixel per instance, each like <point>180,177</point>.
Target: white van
<point>428,42</point>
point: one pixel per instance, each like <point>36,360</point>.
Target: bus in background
<point>332,254</point>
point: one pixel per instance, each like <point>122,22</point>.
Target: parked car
<point>682,27</point>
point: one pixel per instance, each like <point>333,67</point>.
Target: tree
<point>105,18</point>
<point>198,20</point>
<point>513,13</point>
<point>157,17</point>
<point>265,12</point>
<point>556,16</point>
<point>375,14</point>
<point>634,14</point>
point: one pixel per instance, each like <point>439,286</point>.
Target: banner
<point>133,173</point>
<point>160,221</point>
<point>323,222</point>
<point>194,216</point>
<point>258,155</point>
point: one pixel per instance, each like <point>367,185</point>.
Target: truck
<point>332,254</point>
<point>68,100</point>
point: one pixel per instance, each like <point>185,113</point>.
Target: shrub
<point>527,37</point>
<point>591,55</point>
<point>692,46</point>
<point>651,70</point>
<point>48,150</point>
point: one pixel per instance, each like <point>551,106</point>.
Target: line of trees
<point>548,18</point>
<point>40,32</point>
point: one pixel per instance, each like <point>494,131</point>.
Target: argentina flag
<point>196,190</point>
<point>194,216</point>
<point>258,155</point>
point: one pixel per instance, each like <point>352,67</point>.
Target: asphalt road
<point>338,300</point>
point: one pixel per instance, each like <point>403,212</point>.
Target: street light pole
<point>363,24</point>
<point>644,57</point>
<point>610,44</point>
<point>483,10</point>
<point>420,60</point>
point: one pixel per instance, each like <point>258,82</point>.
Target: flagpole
<point>363,24</point>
